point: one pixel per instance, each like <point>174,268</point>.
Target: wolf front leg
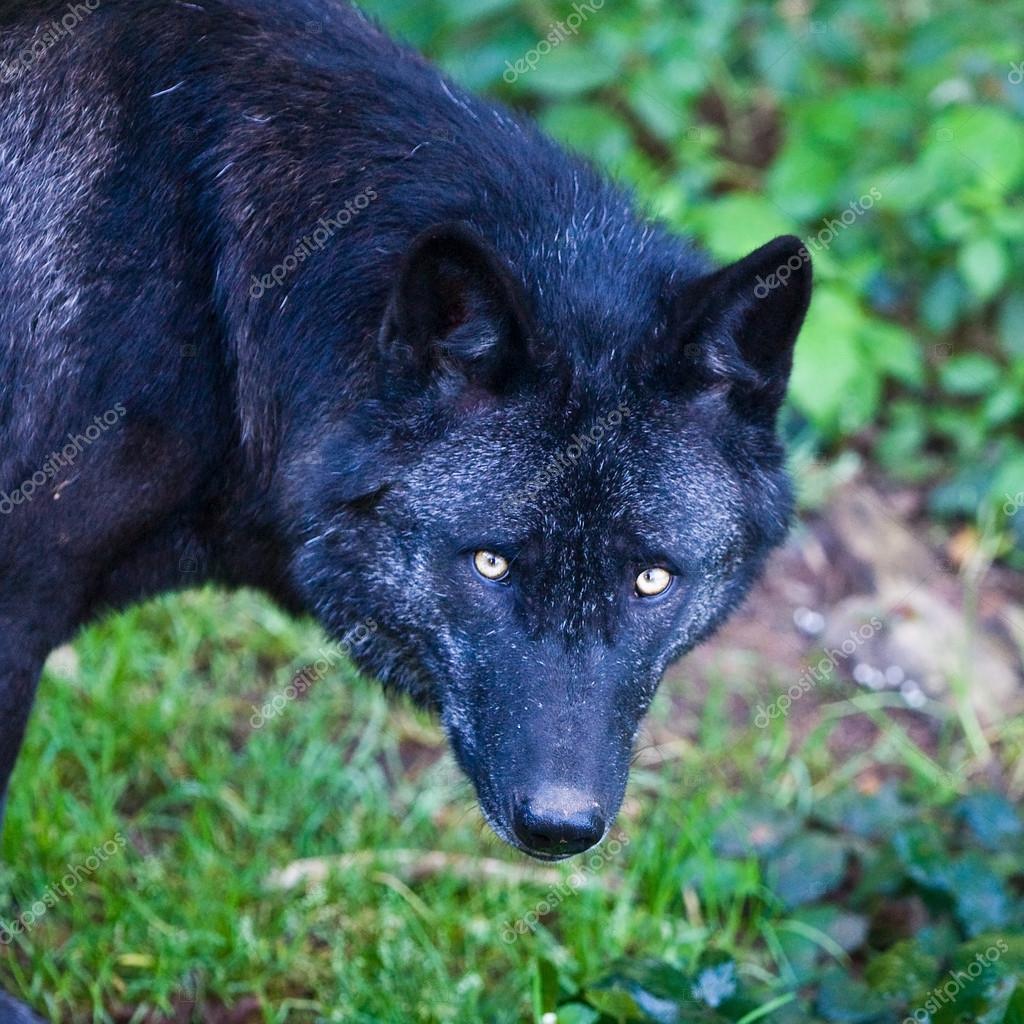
<point>19,675</point>
<point>13,1012</point>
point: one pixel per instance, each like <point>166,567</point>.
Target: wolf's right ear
<point>738,325</point>
<point>456,310</point>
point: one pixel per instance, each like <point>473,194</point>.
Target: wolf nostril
<point>558,824</point>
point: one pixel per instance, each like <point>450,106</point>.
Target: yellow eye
<point>490,565</point>
<point>652,582</point>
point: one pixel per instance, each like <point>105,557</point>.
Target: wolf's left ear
<point>456,309</point>
<point>738,325</point>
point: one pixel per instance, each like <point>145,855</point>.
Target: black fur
<point>345,433</point>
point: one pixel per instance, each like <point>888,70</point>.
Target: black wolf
<point>281,306</point>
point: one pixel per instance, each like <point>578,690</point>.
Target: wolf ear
<point>456,309</point>
<point>740,323</point>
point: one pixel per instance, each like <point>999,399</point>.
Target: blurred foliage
<point>889,134</point>
<point>862,866</point>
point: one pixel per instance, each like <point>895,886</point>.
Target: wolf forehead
<point>627,471</point>
<point>599,284</point>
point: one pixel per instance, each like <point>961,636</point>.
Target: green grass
<point>146,735</point>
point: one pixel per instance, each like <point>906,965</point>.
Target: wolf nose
<point>557,823</point>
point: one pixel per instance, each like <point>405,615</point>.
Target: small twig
<point>416,866</point>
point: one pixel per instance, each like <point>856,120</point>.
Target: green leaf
<point>1015,1007</point>
<point>1008,480</point>
<point>737,224</point>
<point>982,902</point>
<point>591,129</point>
<point>834,384</point>
<point>577,1013</point>
<point>984,264</point>
<point>871,816</point>
<point>981,981</point>
<point>842,1000</point>
<point>565,71</point>
<point>972,145</point>
<point>901,442</point>
<point>1003,405</point>
<point>621,1006</point>
<point>802,161</point>
<point>806,868</point>
<point>901,970</point>
<point>468,12</point>
<point>990,817</point>
<point>893,351</point>
<point>970,374</point>
<point>943,301</point>
<point>1011,325</point>
<point>952,221</point>
<point>478,67</point>
<point>964,494</point>
<point>654,976</point>
<point>922,852</point>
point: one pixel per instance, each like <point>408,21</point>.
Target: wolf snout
<point>557,822</point>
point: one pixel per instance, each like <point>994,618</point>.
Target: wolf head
<point>539,523</point>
